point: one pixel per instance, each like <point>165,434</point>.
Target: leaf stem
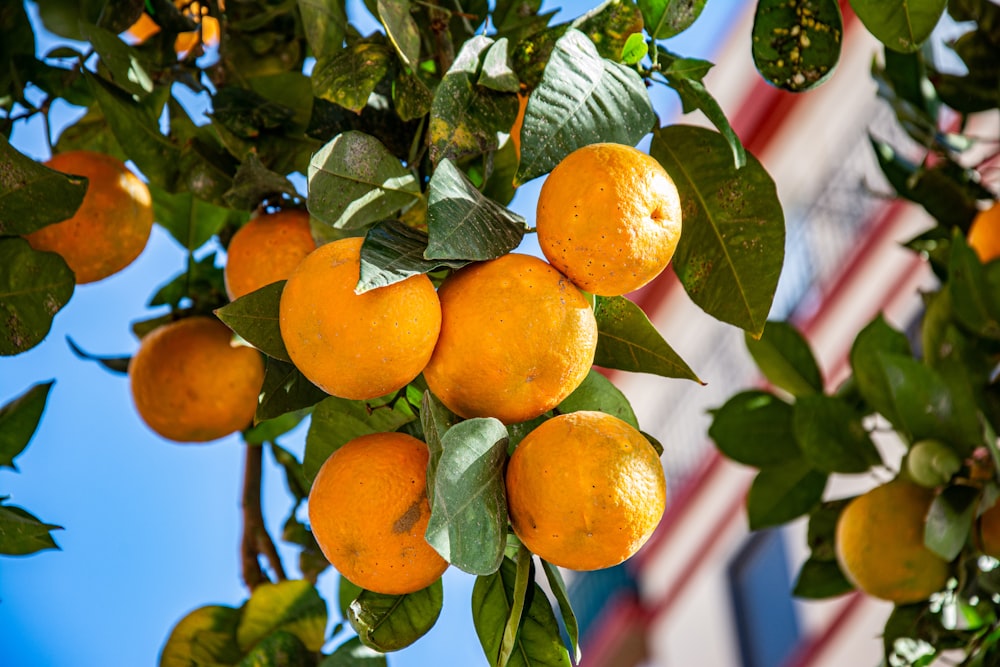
<point>256,541</point>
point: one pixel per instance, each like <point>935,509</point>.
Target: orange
<point>356,346</point>
<point>517,337</point>
<point>368,510</point>
<point>984,234</point>
<point>585,490</point>
<point>880,544</point>
<point>609,217</point>
<point>112,225</point>
<point>988,533</point>
<point>146,27</point>
<point>265,250</point>
<point>191,383</point>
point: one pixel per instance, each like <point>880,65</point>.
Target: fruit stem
<point>256,541</point>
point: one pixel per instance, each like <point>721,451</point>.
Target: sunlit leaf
<point>34,286</point>
<point>293,606</point>
<point>402,29</point>
<point>206,635</point>
<point>391,622</point>
<point>278,649</point>
<point>350,77</point>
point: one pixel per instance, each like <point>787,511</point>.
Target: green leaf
<point>296,480</point>
<point>525,572</point>
<point>905,624</point>
<point>354,181</point>
<point>347,592</point>
<point>293,606</point>
<point>635,49</point>
<point>538,642</point>
<point>34,286</point>
<point>558,587</point>
<point>755,428</point>
<point>877,338</point>
<point>127,65</point>
<point>32,195</point>
<point>336,421</point>
<point>254,317</point>
<point>597,392</point>
<point>21,533</point>
<point>819,579</point>
<point>325,25</point>
<point>393,252</point>
<point>784,492</point>
<point>902,25</point>
<point>280,649</point>
<point>353,653</point>
<point>351,75</point>
<point>117,364</point>
<point>733,241</point>
<point>206,636</point>
<point>628,341</point>
<point>497,73</point>
<point>973,299</point>
<point>950,519</point>
<point>254,183</point>
<point>465,117</point>
<point>796,46</point>
<point>582,99</point>
<point>392,622</point>
<point>666,18</point>
<point>19,419</point>
<point>190,220</point>
<point>609,26</point>
<point>402,29</point>
<point>821,535</point>
<point>468,524</point>
<point>285,390</point>
<point>465,225</point>
<point>784,357</point>
<point>202,282</point>
<point>831,435</point>
<point>435,419</point>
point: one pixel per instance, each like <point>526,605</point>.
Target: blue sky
<point>152,527</point>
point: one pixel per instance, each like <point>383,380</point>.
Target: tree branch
<point>256,541</point>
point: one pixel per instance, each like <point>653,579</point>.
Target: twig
<point>256,541</point>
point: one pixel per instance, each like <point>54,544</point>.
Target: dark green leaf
<point>609,26</point>
<point>496,73</point>
<point>336,421</point>
<point>582,99</point>
<point>468,524</point>
<point>391,622</point>
<point>902,25</point>
<point>347,592</point>
<point>973,300</point>
<point>949,520</point>
<point>21,533</point>
<point>517,19</point>
<point>32,195</point>
<point>732,244</point>
<point>784,357</point>
<point>820,579</point>
<point>19,418</point>
<point>393,252</point>
<point>353,653</point>
<point>597,392</point>
<point>255,183</point>
<point>350,76</point>
<point>877,338</point>
<point>525,572</point>
<point>191,220</point>
<point>465,225</point>
<point>285,390</point>
<point>118,364</point>
<point>206,634</point>
<point>34,286</point>
<point>628,341</point>
<point>127,66</point>
<point>203,283</point>
<point>900,639</point>
<point>831,436</point>
<point>666,18</point>
<point>401,29</point>
<point>553,576</point>
<point>821,535</point>
<point>90,133</point>
<point>279,649</point>
<point>296,480</point>
<point>796,46</point>
<point>784,492</point>
<point>254,317</point>
<point>435,419</point>
<point>755,428</point>
<point>354,181</point>
<point>411,96</point>
<point>538,643</point>
<point>293,606</point>
<point>325,24</point>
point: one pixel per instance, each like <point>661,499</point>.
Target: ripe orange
<point>368,509</point>
<point>190,383</point>
<point>517,338</point>
<point>988,533</point>
<point>880,544</point>
<point>112,225</point>
<point>356,346</point>
<point>266,250</point>
<point>984,234</point>
<point>585,490</point>
<point>609,217</point>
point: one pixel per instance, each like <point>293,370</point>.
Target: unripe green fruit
<point>931,463</point>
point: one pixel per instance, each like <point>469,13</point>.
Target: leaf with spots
<point>468,524</point>
<point>392,622</point>
<point>34,286</point>
<point>350,77</point>
<point>293,606</point>
<point>393,252</point>
<point>733,240</point>
<point>628,341</point>
<point>402,29</point>
<point>32,195</point>
<point>796,45</point>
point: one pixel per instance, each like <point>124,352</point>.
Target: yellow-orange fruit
<point>984,234</point>
<point>988,533</point>
<point>585,490</point>
<point>146,27</point>
<point>112,225</point>
<point>191,383</point>
<point>356,346</point>
<point>266,250</point>
<point>368,510</point>
<point>517,337</point>
<point>609,217</point>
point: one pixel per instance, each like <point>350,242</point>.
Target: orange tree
<point>404,137</point>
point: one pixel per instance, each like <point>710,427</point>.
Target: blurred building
<point>705,592</point>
